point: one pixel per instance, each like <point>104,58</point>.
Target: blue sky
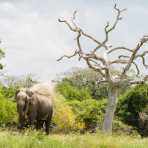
<point>33,39</point>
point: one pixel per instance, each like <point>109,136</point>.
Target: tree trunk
<point>110,109</point>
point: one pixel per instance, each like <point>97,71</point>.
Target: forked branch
<point>135,55</point>
<point>142,56</point>
<point>109,28</point>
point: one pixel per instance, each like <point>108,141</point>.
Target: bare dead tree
<point>103,66</point>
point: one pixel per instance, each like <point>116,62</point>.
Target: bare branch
<point>95,57</point>
<point>94,68</point>
<point>73,18</point>
<point>133,56</point>
<point>68,24</point>
<point>94,40</point>
<point>76,29</point>
<point>97,64</point>
<point>137,68</point>
<point>119,61</point>
<point>120,48</point>
<point>143,58</point>
<point>123,56</point>
<point>68,56</point>
<point>134,63</point>
<point>78,41</point>
<point>90,37</point>
<point>109,28</point>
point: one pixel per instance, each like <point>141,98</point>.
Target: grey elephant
<point>40,110</point>
<point>35,105</point>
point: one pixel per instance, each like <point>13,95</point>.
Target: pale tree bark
<point>110,109</point>
<point>103,65</point>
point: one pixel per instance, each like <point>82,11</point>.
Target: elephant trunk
<point>21,108</point>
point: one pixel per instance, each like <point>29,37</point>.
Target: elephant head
<point>31,106</point>
<point>22,100</point>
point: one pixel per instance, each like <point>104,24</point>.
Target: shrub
<point>71,92</point>
<point>64,118</point>
<point>132,103</point>
<point>7,111</point>
<point>89,111</point>
<point>8,92</point>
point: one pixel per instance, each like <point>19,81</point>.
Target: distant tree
<point>84,78</point>
<point>2,55</point>
<point>121,56</point>
<point>24,81</point>
<point>88,78</point>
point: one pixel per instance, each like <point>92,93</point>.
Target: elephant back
<point>42,89</point>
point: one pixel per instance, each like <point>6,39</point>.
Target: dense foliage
<point>84,81</point>
<point>71,92</point>
<point>8,91</point>
<point>89,111</point>
<point>7,111</point>
<point>64,119</point>
<point>132,103</point>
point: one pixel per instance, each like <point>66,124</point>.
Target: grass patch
<point>34,139</point>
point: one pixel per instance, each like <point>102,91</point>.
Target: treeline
<point>79,104</point>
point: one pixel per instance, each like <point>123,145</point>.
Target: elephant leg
<point>21,122</point>
<point>47,126</point>
<point>39,124</point>
<point>47,122</point>
<point>30,121</point>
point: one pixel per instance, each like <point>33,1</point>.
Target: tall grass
<point>33,139</point>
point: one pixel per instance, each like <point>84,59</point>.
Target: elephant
<point>22,100</point>
<point>40,110</point>
<point>35,106</point>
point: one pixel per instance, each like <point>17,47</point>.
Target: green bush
<point>131,103</point>
<point>71,92</point>
<point>64,118</point>
<point>8,92</point>
<point>7,111</point>
<point>89,111</point>
<point>86,79</point>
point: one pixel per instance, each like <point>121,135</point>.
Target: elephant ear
<point>17,91</point>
